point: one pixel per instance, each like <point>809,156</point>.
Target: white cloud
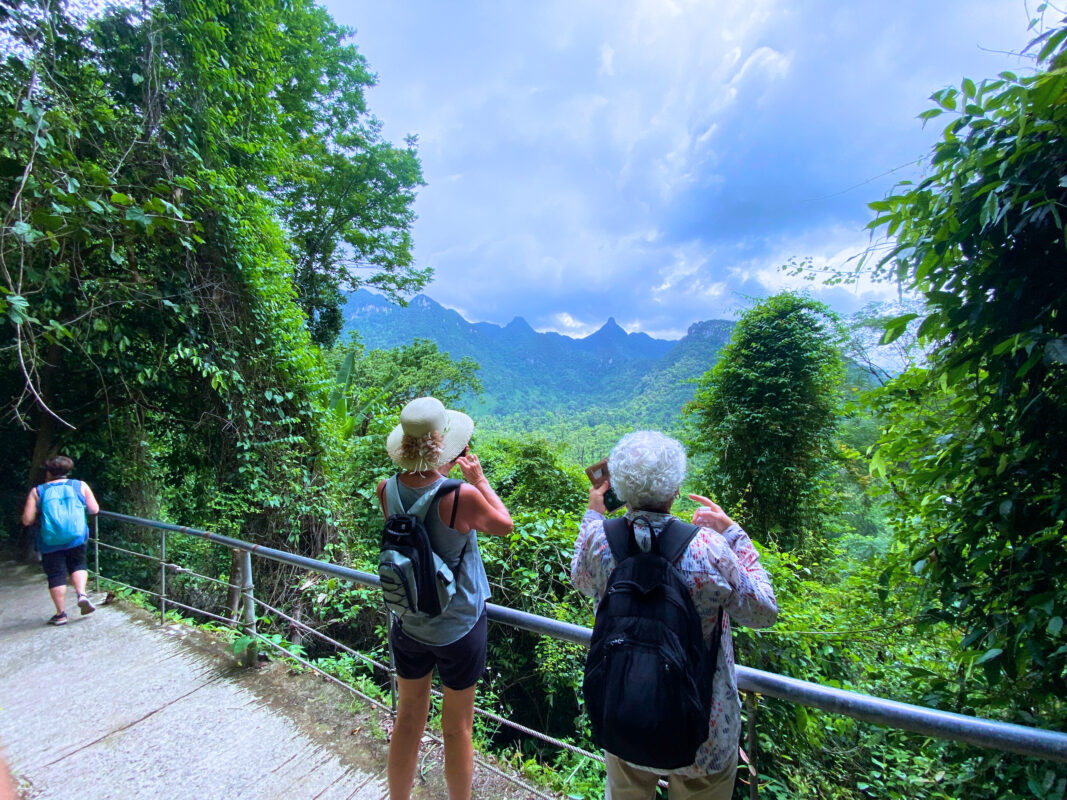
<point>567,325</point>
<point>765,60</point>
<point>607,57</point>
<point>670,334</point>
<point>831,250</point>
<point>657,160</point>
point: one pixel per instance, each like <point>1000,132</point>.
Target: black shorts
<point>58,565</point>
<point>459,664</point>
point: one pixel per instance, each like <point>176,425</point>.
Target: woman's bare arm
<point>479,507</point>
<point>91,505</point>
<point>29,511</point>
<point>381,498</point>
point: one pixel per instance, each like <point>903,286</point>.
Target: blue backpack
<point>61,512</point>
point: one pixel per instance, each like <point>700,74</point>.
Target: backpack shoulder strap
<point>421,507</point>
<point>455,500</point>
<point>675,537</point>
<point>393,503</point>
<point>43,488</point>
<point>446,486</point>
<point>443,488</point>
<point>619,533</point>
<point>451,485</point>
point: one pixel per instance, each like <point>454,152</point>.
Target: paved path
<point>111,707</point>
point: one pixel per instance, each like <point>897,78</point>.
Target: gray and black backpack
<point>414,579</point>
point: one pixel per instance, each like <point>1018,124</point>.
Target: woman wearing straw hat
<point>429,441</point>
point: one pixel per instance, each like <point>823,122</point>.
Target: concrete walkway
<point>110,706</point>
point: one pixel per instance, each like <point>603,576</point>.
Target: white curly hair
<point>646,469</point>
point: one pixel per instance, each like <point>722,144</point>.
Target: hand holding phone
<point>598,476</point>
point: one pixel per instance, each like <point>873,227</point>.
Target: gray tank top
<point>472,585</point>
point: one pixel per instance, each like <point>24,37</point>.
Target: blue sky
<point>658,160</point>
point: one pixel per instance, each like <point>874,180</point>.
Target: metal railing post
<point>96,552</point>
<point>249,625</point>
<point>162,577</point>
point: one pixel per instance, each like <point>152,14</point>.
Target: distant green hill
<point>646,380</point>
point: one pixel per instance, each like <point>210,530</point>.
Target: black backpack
<point>414,579</point>
<point>649,674</point>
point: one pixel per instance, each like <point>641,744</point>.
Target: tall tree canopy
<point>976,445</point>
<point>167,177</point>
<point>764,416</point>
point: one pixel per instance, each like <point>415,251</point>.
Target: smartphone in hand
<point>598,473</point>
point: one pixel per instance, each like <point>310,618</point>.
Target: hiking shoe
<point>85,604</point>
<point>58,619</point>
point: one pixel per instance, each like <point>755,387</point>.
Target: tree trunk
<point>296,633</point>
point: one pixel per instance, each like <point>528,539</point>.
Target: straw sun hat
<point>422,416</point>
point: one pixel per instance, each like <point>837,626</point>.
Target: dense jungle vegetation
<point>188,188</point>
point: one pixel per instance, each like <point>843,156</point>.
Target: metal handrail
<point>987,733</point>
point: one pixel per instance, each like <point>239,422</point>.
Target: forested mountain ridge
<point>523,370</point>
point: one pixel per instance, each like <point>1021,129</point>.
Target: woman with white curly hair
<point>429,441</point>
<point>721,569</point>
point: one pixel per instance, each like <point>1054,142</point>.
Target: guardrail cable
<point>145,556</point>
<point>363,696</point>
<point>177,569</point>
<point>324,637</point>
<point>322,672</point>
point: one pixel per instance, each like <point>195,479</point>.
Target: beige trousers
<point>627,783</point>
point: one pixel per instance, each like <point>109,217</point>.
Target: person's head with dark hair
<point>58,467</point>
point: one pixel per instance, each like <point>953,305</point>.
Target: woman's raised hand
<point>710,515</point>
<point>471,468</point>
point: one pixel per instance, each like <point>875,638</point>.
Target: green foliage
<point>346,195</point>
<point>581,438</point>
<point>765,416</point>
<point>164,175</point>
<point>528,475</point>
<point>416,370</point>
<point>974,444</point>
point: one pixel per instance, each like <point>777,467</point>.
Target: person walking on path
<point>58,507</point>
<point>721,569</point>
<point>429,441</point>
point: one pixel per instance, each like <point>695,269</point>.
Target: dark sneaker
<point>85,604</point>
<point>59,619</point>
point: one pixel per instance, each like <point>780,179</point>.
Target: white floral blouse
<point>721,570</point>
